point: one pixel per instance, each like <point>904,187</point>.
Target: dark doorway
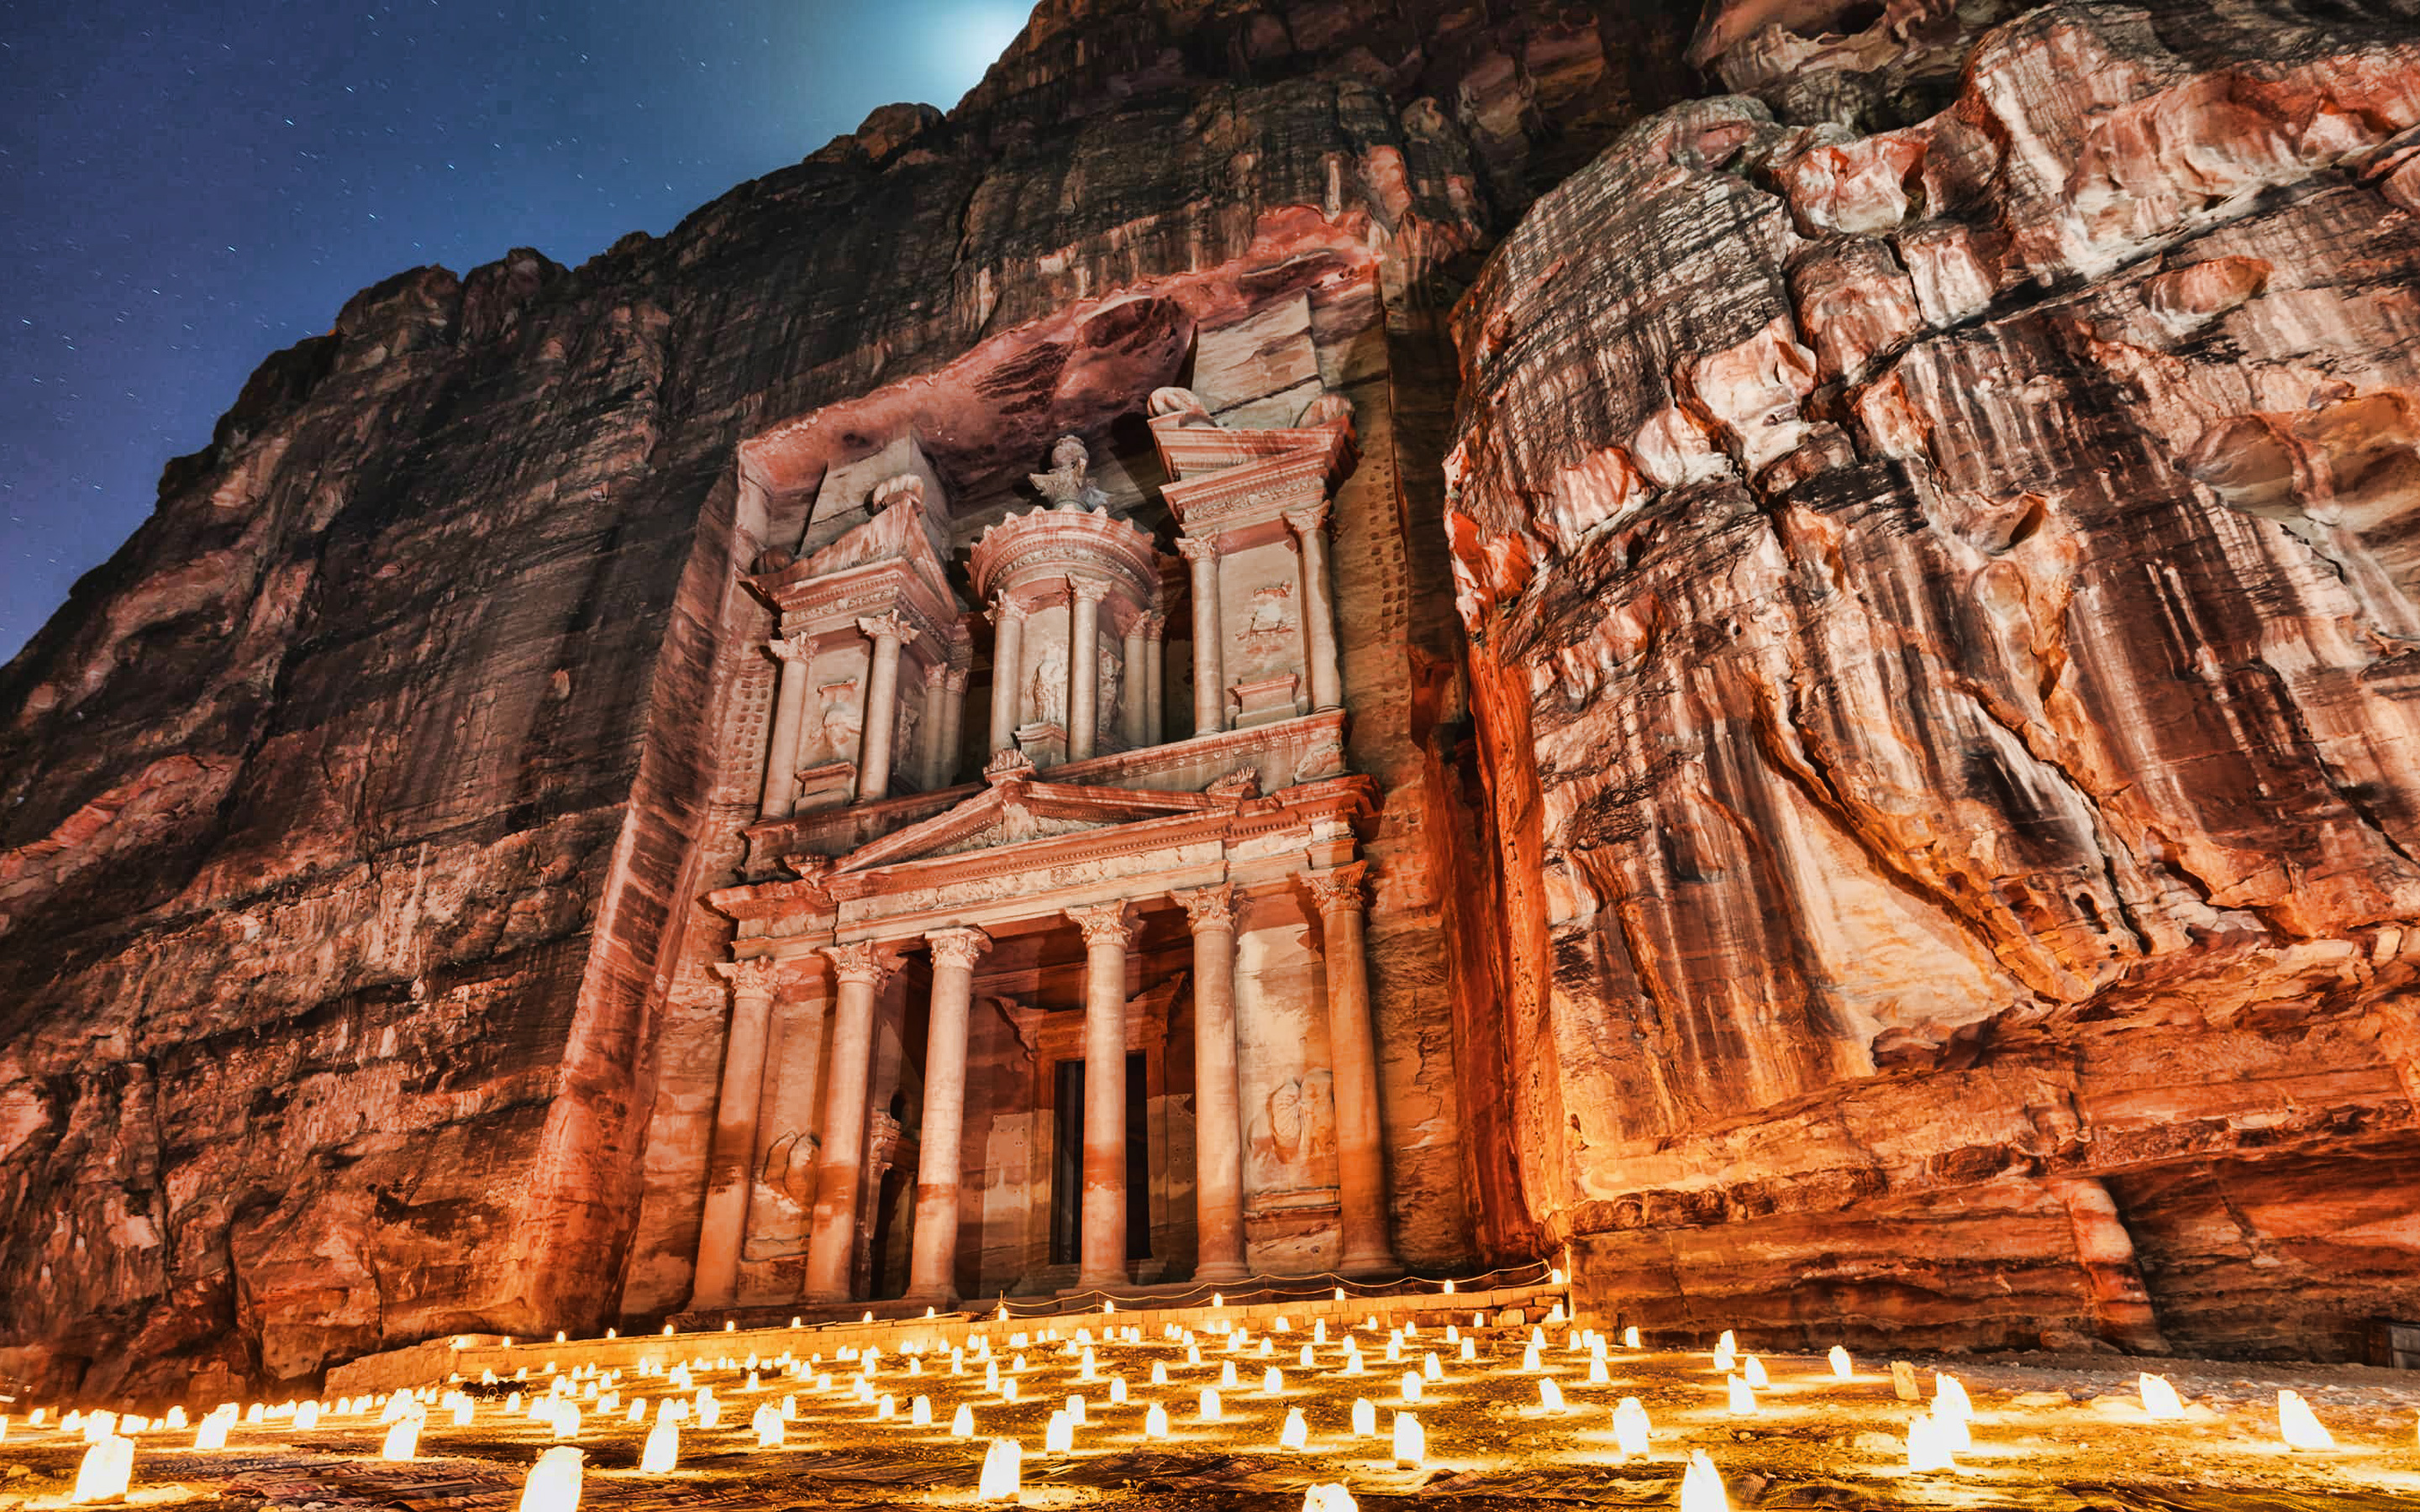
<point>881,1281</point>
<point>1068,1167</point>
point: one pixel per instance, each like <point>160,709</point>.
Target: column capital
<point>958,947</point>
<point>1154,627</point>
<point>755,977</point>
<point>866,961</point>
<point>1208,909</point>
<point>1087,590</point>
<point>954,679</point>
<point>1195,550</point>
<point>1004,609</point>
<point>794,650</point>
<point>1308,520</point>
<point>1339,889</point>
<point>888,628</point>
<point>1104,924</point>
<point>936,674</point>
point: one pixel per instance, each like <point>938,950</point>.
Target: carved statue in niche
<point>903,736</point>
<point>837,724</point>
<point>1048,685</point>
<point>1292,1141</point>
<point>1104,706</point>
<point>1069,484</point>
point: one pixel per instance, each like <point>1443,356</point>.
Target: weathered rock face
<point>1940,574</point>
<point>355,814</point>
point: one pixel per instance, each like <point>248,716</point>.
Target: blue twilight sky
<point>186,187</point>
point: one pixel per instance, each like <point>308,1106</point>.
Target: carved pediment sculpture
<point>1068,485</point>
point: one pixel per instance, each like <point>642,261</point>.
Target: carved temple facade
<point>1045,962</point>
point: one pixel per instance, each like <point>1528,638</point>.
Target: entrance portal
<point>1067,1163</point>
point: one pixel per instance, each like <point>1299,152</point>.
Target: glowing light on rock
<point>1209,1412</point>
<point>663,1449</point>
<point>1754,1370</point>
<point>1365,1418</point>
<point>1842,1369</point>
<point>106,1469</point>
<point>1295,1434</point>
<point>1742,1399</point>
<point>1155,1422</point>
<point>1003,1470</point>
<point>1550,1396</point>
<point>1701,1485</point>
<point>1630,1426</point>
<point>1410,1387</point>
<point>2160,1402</point>
<point>553,1483</point>
<point>1928,1447</point>
<point>1328,1498</point>
<point>402,1439</point>
<point>1411,1441</point>
<point>2297,1426</point>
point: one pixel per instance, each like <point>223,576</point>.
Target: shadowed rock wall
<point>1936,534</point>
<point>350,814</point>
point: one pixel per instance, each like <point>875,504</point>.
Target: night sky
<point>187,187</point>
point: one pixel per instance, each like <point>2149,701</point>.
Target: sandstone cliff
<point>350,815</point>
<point>1935,533</point>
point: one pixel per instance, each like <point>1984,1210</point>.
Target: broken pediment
<point>1013,811</point>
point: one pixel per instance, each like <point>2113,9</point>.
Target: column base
<point>941,1302</point>
<point>1378,1266</point>
<point>825,1299</point>
<point>1223,1275</point>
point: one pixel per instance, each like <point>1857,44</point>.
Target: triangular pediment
<point>1018,812</point>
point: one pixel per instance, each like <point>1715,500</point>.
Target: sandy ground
<point>2061,1432</point>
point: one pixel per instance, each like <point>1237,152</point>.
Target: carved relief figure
<point>836,725</point>
<point>1048,687</point>
<point>1270,616</point>
<point>1105,705</point>
<point>1292,1143</point>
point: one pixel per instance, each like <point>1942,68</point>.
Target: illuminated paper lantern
<point>1328,1499</point>
<point>1155,1422</point>
<point>1531,1362</point>
<point>1550,1395</point>
<point>1209,1408</point>
<point>1004,1468</point>
<point>2297,1426</point>
<point>1469,1349</point>
<point>1159,1372</point>
<point>962,1422</point>
<point>1365,1418</point>
<point>1953,1411</point>
<point>1295,1434</point>
<point>1411,1446</point>
<point>1430,1369</point>
<point>1409,1387</point>
<point>885,1408</point>
<point>662,1450</point>
<point>1075,1410</point>
<point>213,1432</point>
<point>1742,1400</point>
<point>553,1483</point>
<point>1928,1447</point>
<point>1059,1435</point>
<point>1598,1375</point>
<point>920,1413</point>
<point>1630,1426</point>
<point>766,1422</point>
<point>1227,1375</point>
<point>106,1469</point>
<point>1701,1485</point>
<point>1754,1370</point>
<point>1272,1382</point>
<point>402,1439</point>
<point>1841,1366</point>
<point>176,1417</point>
<point>1630,1337</point>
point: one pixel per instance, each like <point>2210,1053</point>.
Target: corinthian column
<point>954,713</point>
<point>1007,672</point>
<point>1360,1161</point>
<point>933,1261</point>
<point>1154,653</point>
<point>931,747</point>
<point>889,633</point>
<point>789,717</point>
<point>724,1224</point>
<point>861,968</point>
<point>1218,1124</point>
<point>1310,527</point>
<point>1083,665</point>
<point>1209,662</point>
<point>1107,933</point>
<point>1130,688</point>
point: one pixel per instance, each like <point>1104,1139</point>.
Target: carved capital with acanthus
<point>959,946</point>
<point>888,628</point>
<point>864,960</point>
<point>1154,627</point>
<point>1104,924</point>
<point>794,651</point>
<point>756,976</point>
<point>1004,609</point>
<point>1209,908</point>
<point>954,679</point>
<point>1196,550</point>
<point>935,675</point>
<point>1339,889</point>
<point>1308,520</point>
<point>1087,590</point>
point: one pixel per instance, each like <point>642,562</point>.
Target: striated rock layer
<point>1936,531</point>
<point>353,819</point>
